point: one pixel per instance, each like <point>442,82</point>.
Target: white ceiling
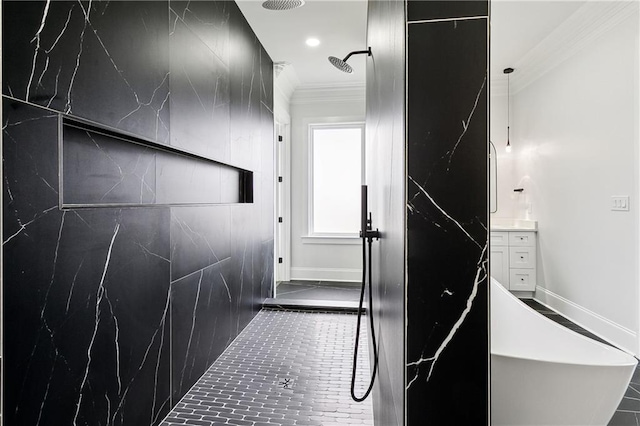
<point>518,26</point>
<point>340,25</point>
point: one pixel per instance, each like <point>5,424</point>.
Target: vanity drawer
<point>522,280</point>
<point>522,257</point>
<point>526,239</point>
<point>499,238</point>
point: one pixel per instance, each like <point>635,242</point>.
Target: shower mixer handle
<point>366,229</point>
<point>369,232</point>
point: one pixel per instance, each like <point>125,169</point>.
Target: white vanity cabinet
<point>513,259</point>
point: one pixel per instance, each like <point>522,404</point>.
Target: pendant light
<point>508,71</point>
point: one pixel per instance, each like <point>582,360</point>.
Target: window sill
<point>332,239</point>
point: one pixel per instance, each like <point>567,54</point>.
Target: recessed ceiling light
<point>313,42</point>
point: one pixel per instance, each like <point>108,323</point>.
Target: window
<point>336,174</point>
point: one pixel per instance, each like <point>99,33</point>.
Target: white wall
<point>316,259</point>
<point>507,200</point>
<point>575,144</point>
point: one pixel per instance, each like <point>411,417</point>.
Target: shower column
<point>427,177</point>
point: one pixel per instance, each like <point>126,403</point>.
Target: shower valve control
<point>369,233</point>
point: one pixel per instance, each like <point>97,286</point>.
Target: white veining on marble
<point>226,286</point>
<point>465,124</point>
<point>99,295</point>
<point>149,252</point>
<point>239,300</point>
<point>64,28</point>
<point>46,392</point>
<point>24,226</point>
<point>67,108</point>
<point>73,284</point>
<point>116,329</point>
<point>36,39</point>
<point>55,92</point>
<point>426,194</point>
<point>193,326</point>
<point>160,328</point>
<point>123,174</point>
<point>481,275</point>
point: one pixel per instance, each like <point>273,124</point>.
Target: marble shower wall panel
<point>209,20</point>
<point>245,89</point>
<point>202,323</point>
<point>447,306</point>
<point>199,95</point>
<point>86,332</point>
<point>245,258</point>
<point>266,79</point>
<point>200,237</point>
<point>69,56</point>
<point>30,162</point>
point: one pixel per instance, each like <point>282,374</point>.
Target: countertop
<point>502,224</point>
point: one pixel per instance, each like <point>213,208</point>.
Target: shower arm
<point>357,52</point>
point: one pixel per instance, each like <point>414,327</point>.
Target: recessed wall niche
<point>102,167</point>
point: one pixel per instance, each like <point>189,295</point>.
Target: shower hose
<point>366,267</point>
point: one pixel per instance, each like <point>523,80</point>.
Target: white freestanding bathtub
<point>544,374</point>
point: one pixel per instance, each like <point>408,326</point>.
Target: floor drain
<point>286,383</point>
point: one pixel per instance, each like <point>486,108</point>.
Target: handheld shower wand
<point>367,234</point>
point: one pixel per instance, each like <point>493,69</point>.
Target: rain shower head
<point>342,64</point>
<point>282,4</point>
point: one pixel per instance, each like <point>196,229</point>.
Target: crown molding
<point>309,94</point>
<point>588,23</point>
<point>286,80</point>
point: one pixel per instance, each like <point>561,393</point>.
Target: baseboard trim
<point>326,274</point>
<point>612,332</point>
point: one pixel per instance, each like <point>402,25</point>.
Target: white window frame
<point>322,237</point>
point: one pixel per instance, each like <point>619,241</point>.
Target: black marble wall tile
<point>30,162</point>
<point>70,56</point>
<point>199,95</point>
<point>200,237</point>
<point>266,79</point>
<point>87,341</point>
<point>245,90</point>
<point>244,257</point>
<point>86,323</point>
<point>202,323</point>
<point>447,294</point>
<point>99,169</point>
<point>267,269</point>
<point>418,10</point>
<point>209,20</point>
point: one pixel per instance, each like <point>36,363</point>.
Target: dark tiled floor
<point>628,412</point>
<point>285,368</point>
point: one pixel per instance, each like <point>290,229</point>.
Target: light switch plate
<point>620,203</point>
